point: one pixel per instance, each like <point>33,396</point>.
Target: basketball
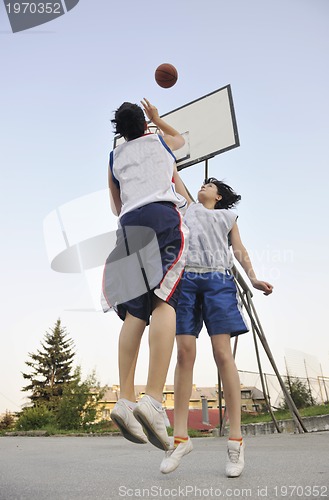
<point>166,75</point>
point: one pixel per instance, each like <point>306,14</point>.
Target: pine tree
<point>51,367</point>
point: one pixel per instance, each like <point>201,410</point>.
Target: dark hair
<point>229,197</point>
<point>129,121</point>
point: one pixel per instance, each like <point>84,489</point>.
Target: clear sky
<point>60,84</point>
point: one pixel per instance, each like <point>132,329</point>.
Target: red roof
<point>195,419</point>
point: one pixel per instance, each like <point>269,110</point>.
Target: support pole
<point>250,309</point>
<point>261,373</point>
<point>206,175</point>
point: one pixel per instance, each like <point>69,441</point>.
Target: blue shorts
<point>148,260</point>
<point>211,298</point>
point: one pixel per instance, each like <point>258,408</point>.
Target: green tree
<point>299,392</point>
<point>51,367</point>
<point>7,421</point>
<point>78,405</point>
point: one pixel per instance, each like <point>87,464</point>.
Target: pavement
<point>294,466</point>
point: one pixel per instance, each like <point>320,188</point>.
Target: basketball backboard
<point>208,125</point>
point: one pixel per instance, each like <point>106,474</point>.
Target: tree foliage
<point>78,405</point>
<point>60,398</point>
<point>7,421</point>
<point>51,367</point>
<point>299,392</point>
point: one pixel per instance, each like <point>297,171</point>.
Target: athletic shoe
<point>235,458</point>
<point>153,421</point>
<point>124,418</point>
<point>173,457</point>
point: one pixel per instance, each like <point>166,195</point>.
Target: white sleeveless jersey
<point>208,240</point>
<point>143,170</point>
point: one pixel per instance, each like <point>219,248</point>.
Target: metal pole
<point>292,407</point>
<point>308,383</point>
<point>261,335</point>
<point>261,374</point>
<point>267,391</point>
<point>324,384</point>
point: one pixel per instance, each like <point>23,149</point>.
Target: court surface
<point>95,468</point>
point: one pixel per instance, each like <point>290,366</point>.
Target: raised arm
<point>180,186</point>
<point>242,256</point>
<point>171,136</point>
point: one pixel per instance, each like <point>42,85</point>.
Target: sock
<point>155,402</point>
<point>236,439</point>
<point>178,440</point>
<point>130,404</point>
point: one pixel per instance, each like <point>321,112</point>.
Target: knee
<point>222,356</point>
<point>185,357</point>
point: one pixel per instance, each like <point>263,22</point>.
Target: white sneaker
<point>235,458</point>
<point>124,418</point>
<point>173,457</point>
<point>153,422</point>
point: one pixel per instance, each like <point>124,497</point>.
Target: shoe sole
<point>234,475</point>
<point>152,436</point>
<point>125,431</point>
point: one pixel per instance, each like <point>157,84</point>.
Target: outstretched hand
<point>265,287</point>
<point>150,110</point>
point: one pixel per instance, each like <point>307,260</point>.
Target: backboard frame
<point>192,119</point>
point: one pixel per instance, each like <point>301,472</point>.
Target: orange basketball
<point>166,75</point>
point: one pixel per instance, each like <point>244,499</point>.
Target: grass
<point>311,411</point>
<point>105,427</point>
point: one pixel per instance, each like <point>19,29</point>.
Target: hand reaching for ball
<point>150,110</point>
<point>171,136</point>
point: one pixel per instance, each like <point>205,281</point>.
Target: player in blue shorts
<point>209,295</point>
<point>142,274</point>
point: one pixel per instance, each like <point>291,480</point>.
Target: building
<point>252,400</point>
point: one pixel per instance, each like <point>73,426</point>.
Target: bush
<point>299,392</point>
<point>37,417</point>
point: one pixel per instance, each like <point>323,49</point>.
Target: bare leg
<point>186,352</point>
<point>129,342</point>
<point>161,342</point>
<point>221,345</point>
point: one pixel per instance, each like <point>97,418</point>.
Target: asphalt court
<point>294,466</point>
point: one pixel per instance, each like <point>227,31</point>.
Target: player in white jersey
<point>142,274</point>
<point>209,295</point>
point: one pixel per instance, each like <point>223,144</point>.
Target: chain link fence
<point>298,365</point>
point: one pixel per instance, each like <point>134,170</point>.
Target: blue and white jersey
<point>143,170</point>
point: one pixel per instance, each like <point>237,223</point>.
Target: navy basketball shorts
<point>210,298</point>
<point>148,260</point>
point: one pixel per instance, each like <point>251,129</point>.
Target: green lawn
<point>109,428</point>
<point>284,415</point>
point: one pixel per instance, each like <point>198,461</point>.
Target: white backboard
<point>208,125</point>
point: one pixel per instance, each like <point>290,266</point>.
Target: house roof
<point>112,393</point>
<point>255,393</point>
